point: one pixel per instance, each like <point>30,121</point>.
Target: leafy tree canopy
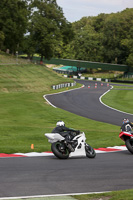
<point>13,22</point>
<point>48,26</point>
<point>105,38</point>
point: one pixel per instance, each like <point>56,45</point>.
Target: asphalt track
<point>34,176</point>
<point>21,177</point>
<point>85,102</point>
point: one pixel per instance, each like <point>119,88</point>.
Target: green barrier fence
<point>87,64</point>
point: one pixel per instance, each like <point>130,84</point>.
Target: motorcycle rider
<point>68,133</point>
<point>127,125</point>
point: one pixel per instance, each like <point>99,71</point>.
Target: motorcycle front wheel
<point>129,145</point>
<point>56,148</point>
<point>90,152</point>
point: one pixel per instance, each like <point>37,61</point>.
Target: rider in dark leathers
<point>68,133</point>
<point>127,125</point>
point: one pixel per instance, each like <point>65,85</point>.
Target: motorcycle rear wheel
<point>90,152</point>
<point>129,145</point>
<point>55,147</point>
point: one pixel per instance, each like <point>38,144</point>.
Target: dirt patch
<point>50,65</point>
<point>5,90</point>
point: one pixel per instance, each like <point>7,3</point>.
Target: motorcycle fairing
<point>80,148</point>
<point>54,137</point>
<point>124,133</point>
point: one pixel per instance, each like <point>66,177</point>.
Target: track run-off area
<point>40,176</point>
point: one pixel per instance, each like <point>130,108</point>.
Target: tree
<point>127,41</point>
<point>48,27</point>
<point>130,60</point>
<point>13,22</point>
<point>2,38</point>
<point>117,31</point>
<point>28,46</point>
<point>87,42</point>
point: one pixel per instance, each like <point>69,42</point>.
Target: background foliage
<point>39,26</point>
<point>105,38</point>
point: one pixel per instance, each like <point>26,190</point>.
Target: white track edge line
<point>54,195</point>
<point>100,99</point>
<point>44,96</point>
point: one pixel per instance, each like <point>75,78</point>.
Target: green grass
<point>117,195</point>
<point>25,116</point>
<point>11,59</point>
<point>28,78</point>
<point>120,99</point>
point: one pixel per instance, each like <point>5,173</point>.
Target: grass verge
<point>121,98</point>
<point>25,116</point>
<point>117,195</point>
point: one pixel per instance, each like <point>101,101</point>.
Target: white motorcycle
<point>61,150</point>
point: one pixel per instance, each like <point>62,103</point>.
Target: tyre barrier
<point>56,87</point>
<point>87,78</point>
